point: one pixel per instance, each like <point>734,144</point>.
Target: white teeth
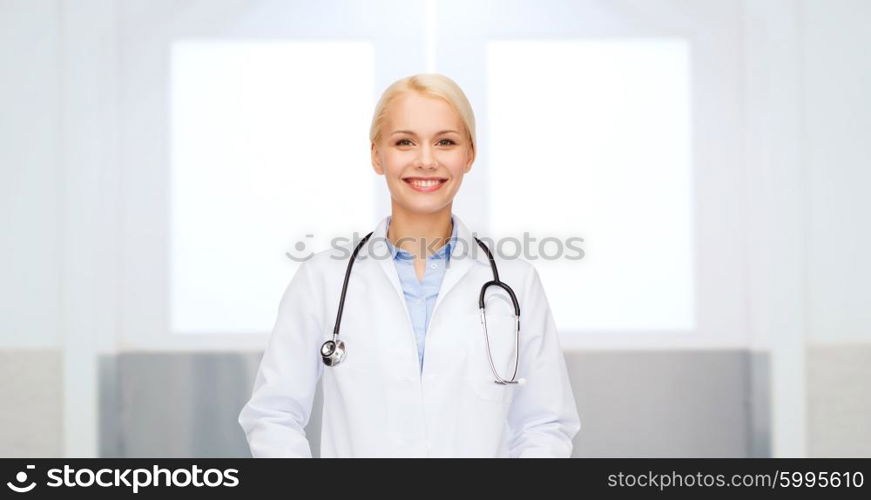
<point>425,184</point>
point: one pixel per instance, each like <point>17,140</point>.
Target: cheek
<point>455,161</point>
<point>394,162</point>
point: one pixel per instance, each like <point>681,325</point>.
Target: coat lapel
<point>465,254</point>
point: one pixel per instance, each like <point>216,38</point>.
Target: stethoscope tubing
<point>333,351</point>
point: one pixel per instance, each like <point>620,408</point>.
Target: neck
<point>419,234</point>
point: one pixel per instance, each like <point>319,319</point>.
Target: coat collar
<point>465,254</point>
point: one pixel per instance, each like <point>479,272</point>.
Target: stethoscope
<point>333,351</point>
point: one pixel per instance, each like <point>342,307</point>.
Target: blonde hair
<point>431,85</point>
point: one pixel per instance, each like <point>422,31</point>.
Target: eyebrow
<point>440,132</point>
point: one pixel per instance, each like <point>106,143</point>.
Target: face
<point>423,153</point>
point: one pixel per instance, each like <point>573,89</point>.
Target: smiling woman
<point>423,142</point>
<point>424,378</point>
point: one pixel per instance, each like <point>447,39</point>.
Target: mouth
<point>425,184</point>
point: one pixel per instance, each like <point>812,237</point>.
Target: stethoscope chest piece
<point>333,352</point>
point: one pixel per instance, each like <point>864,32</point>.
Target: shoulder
<point>518,272</point>
<point>326,263</point>
<point>331,264</point>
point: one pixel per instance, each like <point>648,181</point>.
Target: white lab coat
<point>376,402</point>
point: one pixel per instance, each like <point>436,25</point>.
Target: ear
<point>471,160</point>
<point>376,161</point>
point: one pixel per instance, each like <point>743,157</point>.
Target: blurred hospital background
<point>162,160</point>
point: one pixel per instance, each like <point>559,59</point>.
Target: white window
<point>265,134</point>
<point>591,138</point>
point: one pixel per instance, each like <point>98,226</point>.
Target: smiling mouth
<point>425,184</point>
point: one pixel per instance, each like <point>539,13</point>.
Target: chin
<point>425,208</point>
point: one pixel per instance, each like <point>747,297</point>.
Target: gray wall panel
<point>760,436</point>
<point>662,403</point>
<point>839,400</point>
<point>180,404</point>
<point>31,416</point>
<point>638,404</point>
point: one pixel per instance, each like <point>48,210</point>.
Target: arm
<point>275,417</point>
<point>543,417</point>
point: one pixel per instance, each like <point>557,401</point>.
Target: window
<point>264,135</point>
<point>602,129</point>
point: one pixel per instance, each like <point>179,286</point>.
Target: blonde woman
<point>394,328</point>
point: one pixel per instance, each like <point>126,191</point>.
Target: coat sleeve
<point>543,417</point>
<point>275,417</point>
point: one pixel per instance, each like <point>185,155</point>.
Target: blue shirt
<point>420,296</point>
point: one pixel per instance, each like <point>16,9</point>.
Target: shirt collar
<point>442,253</point>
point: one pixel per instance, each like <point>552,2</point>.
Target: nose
<point>426,158</point>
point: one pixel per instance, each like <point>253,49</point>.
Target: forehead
<point>422,114</point>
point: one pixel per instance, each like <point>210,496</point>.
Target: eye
<point>450,142</point>
<point>401,141</point>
